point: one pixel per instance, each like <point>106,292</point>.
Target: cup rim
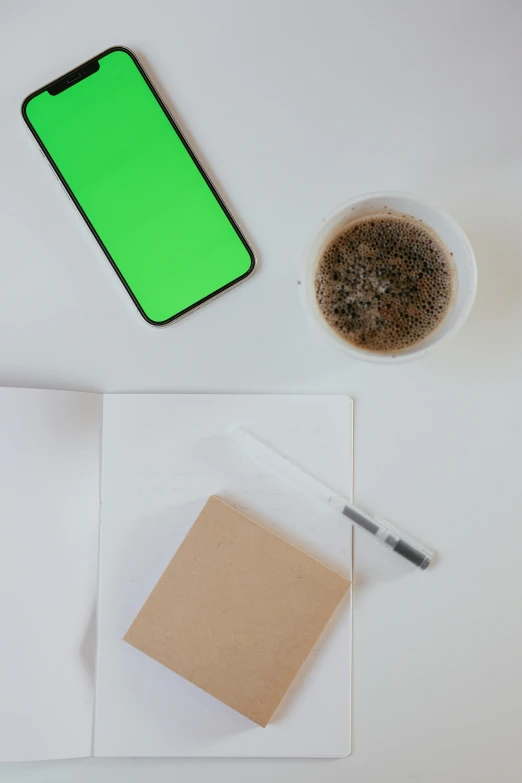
<point>312,257</point>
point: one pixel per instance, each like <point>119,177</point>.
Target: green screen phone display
<point>138,185</point>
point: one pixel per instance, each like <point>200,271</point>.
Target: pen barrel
<point>279,464</point>
<point>405,545</point>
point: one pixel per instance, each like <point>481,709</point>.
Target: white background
<point>296,107</point>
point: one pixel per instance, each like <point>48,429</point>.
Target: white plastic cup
<point>446,229</point>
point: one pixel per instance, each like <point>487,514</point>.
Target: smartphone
<point>139,187</point>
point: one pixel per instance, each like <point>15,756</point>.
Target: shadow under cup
<point>448,231</point>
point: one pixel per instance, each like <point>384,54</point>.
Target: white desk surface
<point>295,107</point>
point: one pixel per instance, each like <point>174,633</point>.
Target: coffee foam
<point>385,282</point>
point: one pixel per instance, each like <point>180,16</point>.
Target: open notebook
<point>70,588</point>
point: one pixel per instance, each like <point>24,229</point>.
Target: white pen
<point>383,531</point>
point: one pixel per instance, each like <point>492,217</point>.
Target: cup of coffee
<point>388,277</point>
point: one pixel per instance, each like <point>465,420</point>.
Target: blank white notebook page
<point>49,489</point>
<point>163,455</point>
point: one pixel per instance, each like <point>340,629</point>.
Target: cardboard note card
<point>237,611</point>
